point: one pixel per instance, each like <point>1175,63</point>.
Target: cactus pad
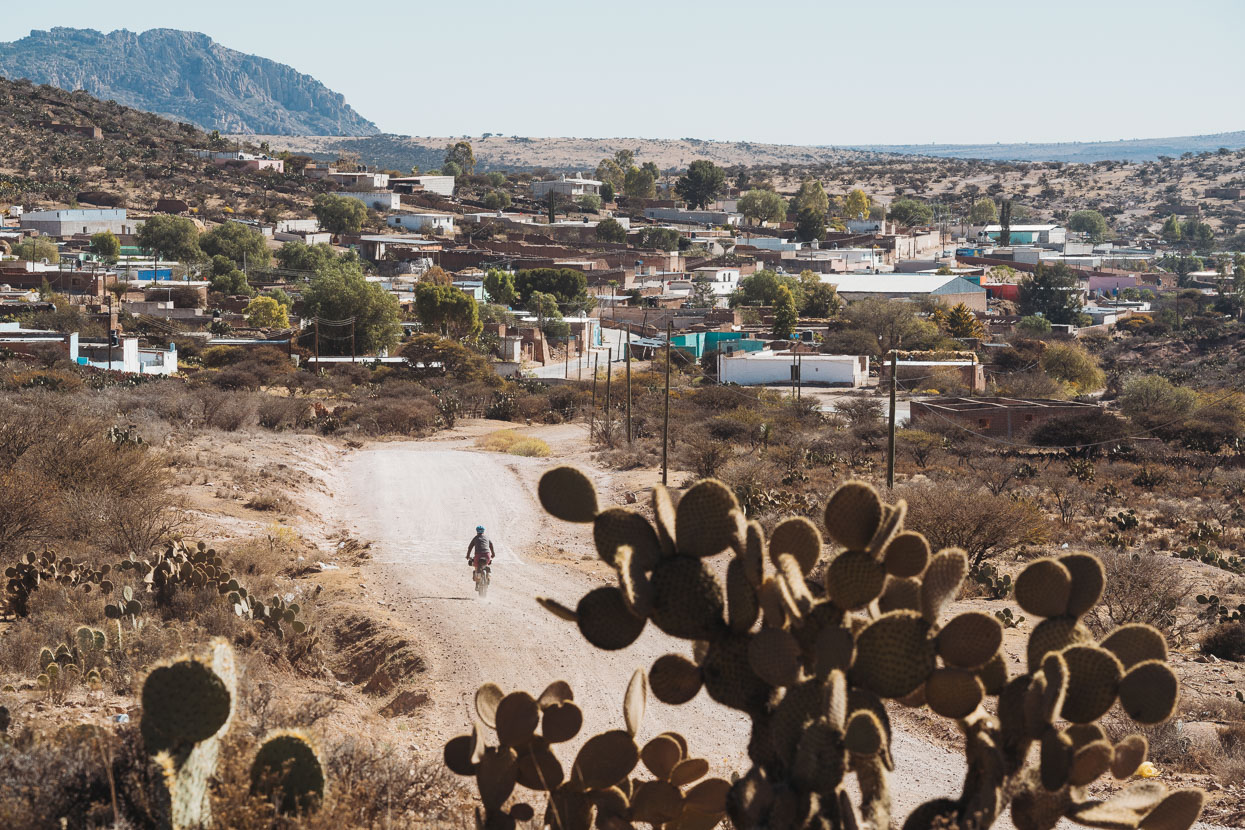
<point>894,654</point>
<point>899,594</point>
<point>907,554</point>
<point>568,494</point>
<point>674,679</point>
<point>517,717</point>
<point>775,656</point>
<point>661,755</point>
<point>1093,683</point>
<point>287,764</point>
<point>854,579</point>
<point>798,537</point>
<point>953,693</point>
<point>663,516</point>
<point>687,599</point>
<point>1090,761</point>
<point>941,582</point>
<point>970,640</point>
<point>606,621</point>
<point>1130,752</point>
<point>183,703</point>
<point>1055,634</point>
<point>703,522</point>
<point>488,697</point>
<point>1043,588</point>
<point>728,676</point>
<point>618,527</point>
<point>1136,642</point>
<point>853,514</point>
<point>537,768</point>
<point>1088,582</point>
<point>561,722</point>
<point>1149,692</point>
<point>633,580</point>
<point>605,760</point>
<point>864,733</point>
<point>742,606</point>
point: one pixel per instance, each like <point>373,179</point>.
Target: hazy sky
<point>829,72</point>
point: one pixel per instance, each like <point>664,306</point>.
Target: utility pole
<point>592,419</point>
<point>799,375</point>
<point>794,369</point>
<point>353,348</point>
<point>566,367</point>
<point>628,353</point>
<point>609,374</point>
<point>665,419</point>
<point>890,438</point>
<point>317,331</point>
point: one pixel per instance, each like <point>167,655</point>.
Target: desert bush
<point>513,442</point>
<point>983,525</point>
<point>1142,588</point>
<point>1088,435</point>
<point>704,454</point>
<point>1227,642</point>
<point>282,413</point>
<point>406,416</point>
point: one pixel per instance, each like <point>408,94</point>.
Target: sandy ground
<point>418,503</point>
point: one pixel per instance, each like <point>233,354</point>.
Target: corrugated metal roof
<point>900,284</point>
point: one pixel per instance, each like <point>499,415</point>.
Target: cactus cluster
<point>125,606</point>
<point>33,569</point>
<point>813,665</point>
<point>1215,611</point>
<point>61,666</point>
<point>604,778</point>
<point>996,585</point>
<point>187,708</point>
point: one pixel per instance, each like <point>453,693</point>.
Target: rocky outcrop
<point>186,76</point>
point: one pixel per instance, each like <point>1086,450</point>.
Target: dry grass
<point>514,443</point>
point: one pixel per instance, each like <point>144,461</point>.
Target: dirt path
<point>418,503</point>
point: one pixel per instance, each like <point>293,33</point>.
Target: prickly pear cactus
<point>813,668</point>
<point>604,780</point>
<point>288,771</point>
<point>187,707</point>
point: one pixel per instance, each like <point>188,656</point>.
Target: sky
<point>780,71</point>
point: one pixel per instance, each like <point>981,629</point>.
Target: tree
<point>173,237</point>
<point>625,159</point>
<point>450,168</point>
<point>761,288</point>
<point>266,313</point>
<point>106,246</point>
<point>889,323</point>
<point>565,284</point>
<point>496,200</point>
<point>610,173</point>
<point>763,206</point>
<point>660,239</point>
<point>810,224</point>
<point>437,276</point>
<point>611,230</point>
<point>460,154</point>
<point>1152,400</point>
<point>607,192</point>
<point>589,202</point>
<point>982,524</point>
<point>1005,224</point>
<point>339,292</point>
<point>1091,223</point>
<point>785,316</point>
<point>983,212</point>
<point>856,204</point>
<point>702,183</point>
<point>499,285</point>
<point>811,196</point>
<point>1198,235</point>
<point>339,214</point>
<point>1073,365</point>
<point>639,183</point>
<point>37,249</point>
<point>1053,292</point>
<point>447,309</point>
<point>962,323</point>
<point>231,282</point>
<point>242,244</point>
<point>1171,229</point>
<point>1034,325</point>
<point>821,300</point>
<point>299,256</point>
<point>910,212</point>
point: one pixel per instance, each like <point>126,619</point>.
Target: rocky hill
<point>185,76</point>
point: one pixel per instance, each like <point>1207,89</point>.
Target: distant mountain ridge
<point>185,76</point>
<point>1137,149</point>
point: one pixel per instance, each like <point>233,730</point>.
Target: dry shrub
<point>267,500</point>
<point>394,416</point>
<point>227,411</point>
<point>704,454</point>
<point>513,442</point>
<point>963,516</point>
<point>283,413</point>
<point>1227,642</point>
<point>1141,589</point>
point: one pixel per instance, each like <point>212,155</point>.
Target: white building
<point>1025,234</point>
<point>371,181</point>
<point>441,185</point>
<point>573,187</point>
<point>298,226</point>
<point>72,221</point>
<point>770,367</point>
<point>679,216</point>
<point>381,200</point>
<point>442,223</point>
<point>724,280</point>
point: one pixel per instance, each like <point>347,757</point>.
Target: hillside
<point>185,76</point>
<point>138,159</point>
<point>1137,149</point>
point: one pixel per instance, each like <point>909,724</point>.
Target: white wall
<point>441,222</point>
<point>755,368</point>
<point>383,198</point>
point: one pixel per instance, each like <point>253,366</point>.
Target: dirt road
<point>419,502</point>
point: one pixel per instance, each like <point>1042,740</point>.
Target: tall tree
<point>266,313</point>
<point>702,183</point>
<point>340,291</point>
<point>500,287</point>
<point>1054,292</point>
<point>640,183</point>
<point>810,224</point>
<point>762,206</point>
<point>106,245</point>
<point>1005,223</point>
<point>611,230</point>
<point>810,196</point>
<point>962,323</point>
<point>856,204</point>
<point>609,172</point>
<point>983,212</point>
<point>339,214</point>
<point>240,243</point>
<point>447,309</point>
<point>172,237</point>
<point>785,316</point>
<point>461,154</point>
<point>1089,222</point>
<point>910,212</point>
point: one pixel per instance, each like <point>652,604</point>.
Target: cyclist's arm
<point>491,553</point>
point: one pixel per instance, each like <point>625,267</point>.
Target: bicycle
<point>481,578</point>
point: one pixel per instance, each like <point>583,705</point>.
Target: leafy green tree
<point>299,256</point>
<point>106,245</point>
<point>1005,223</point>
<point>640,183</point>
<point>607,192</point>
<point>1152,400</point>
<point>763,206</point>
<point>660,239</point>
<point>1072,364</point>
<point>266,313</point>
<point>567,285</point>
<point>651,169</point>
<point>810,224</point>
<point>702,183</point>
<point>589,202</point>
<point>37,249</point>
<point>910,212</point>
<point>447,309</point>
<point>1171,229</point>
<point>171,237</point>
<point>625,159</point>
<point>1089,222</point>
<point>340,291</point>
<point>460,154</point>
<point>281,297</point>
<point>1053,292</point>
<point>232,283</point>
<point>610,173</point>
<point>611,230</point>
<point>785,316</point>
<point>497,179</point>
<point>810,196</point>
<point>499,285</point>
<point>1034,325</point>
<point>1198,235</point>
<point>761,288</point>
<point>821,300</point>
<point>241,244</point>
<point>962,323</point>
<point>496,200</point>
<point>544,305</point>
<point>856,204</point>
<point>983,212</point>
<point>450,168</point>
<point>430,355</point>
<point>890,325</point>
<point>339,214</point>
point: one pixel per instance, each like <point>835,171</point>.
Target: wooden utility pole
<point>592,419</point>
<point>317,328</point>
<point>609,374</point>
<point>799,376</point>
<point>566,367</point>
<point>353,347</point>
<point>665,419</point>
<point>890,438</point>
<point>628,353</point>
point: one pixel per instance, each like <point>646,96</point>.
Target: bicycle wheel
<point>482,585</point>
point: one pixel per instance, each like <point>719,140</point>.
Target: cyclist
<point>480,551</point>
